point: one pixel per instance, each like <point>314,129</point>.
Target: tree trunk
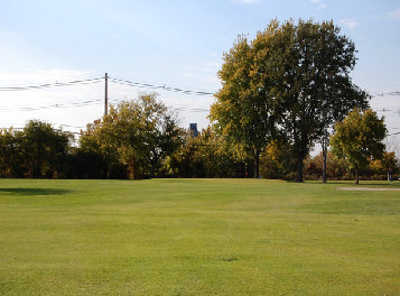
<point>131,170</point>
<point>108,170</point>
<point>257,175</point>
<point>36,168</point>
<point>299,177</point>
<point>389,176</point>
<point>153,169</point>
<point>33,169</point>
<point>357,176</point>
<point>325,156</point>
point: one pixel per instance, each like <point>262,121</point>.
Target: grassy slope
<point>196,237</point>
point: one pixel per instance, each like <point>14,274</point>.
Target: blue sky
<point>179,43</point>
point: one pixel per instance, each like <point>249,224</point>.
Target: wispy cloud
<point>350,23</point>
<point>204,73</point>
<point>319,3</point>
<point>395,14</point>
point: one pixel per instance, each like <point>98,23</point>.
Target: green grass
<point>197,237</point>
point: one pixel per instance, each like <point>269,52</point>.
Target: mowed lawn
<point>197,237</point>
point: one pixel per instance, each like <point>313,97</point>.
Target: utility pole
<point>325,142</point>
<point>106,94</point>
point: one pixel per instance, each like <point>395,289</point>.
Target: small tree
<point>45,148</point>
<point>12,159</point>
<point>137,134</point>
<point>389,162</point>
<point>39,150</point>
<point>358,137</point>
<point>243,111</point>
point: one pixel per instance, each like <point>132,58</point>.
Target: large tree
<point>358,138</point>
<point>308,65</point>
<point>294,76</point>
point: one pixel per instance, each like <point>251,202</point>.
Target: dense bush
<point>38,151</point>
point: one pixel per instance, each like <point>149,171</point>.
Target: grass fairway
<point>197,237</point>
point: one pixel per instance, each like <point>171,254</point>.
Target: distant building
<point>193,129</point>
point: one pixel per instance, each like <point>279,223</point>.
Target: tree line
<point>282,93</point>
<point>142,139</point>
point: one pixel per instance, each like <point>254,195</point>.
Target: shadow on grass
<point>34,191</point>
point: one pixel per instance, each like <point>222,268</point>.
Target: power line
<point>81,103</point>
<point>384,110</point>
<point>49,85</point>
<point>195,110</point>
<point>161,87</point>
<point>106,78</point>
<point>97,80</point>
<point>84,103</point>
<point>388,93</point>
<point>111,79</point>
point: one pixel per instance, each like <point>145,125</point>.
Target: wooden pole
<point>106,94</point>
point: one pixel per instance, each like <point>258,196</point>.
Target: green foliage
<point>45,148</point>
<point>309,64</point>
<point>358,137</point>
<point>208,155</point>
<point>337,169</point>
<point>278,160</point>
<point>243,111</point>
<point>386,166</point>
<point>37,151</point>
<point>11,154</point>
<point>291,76</point>
<point>136,134</point>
